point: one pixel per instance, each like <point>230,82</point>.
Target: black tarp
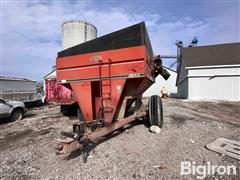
<point>135,35</point>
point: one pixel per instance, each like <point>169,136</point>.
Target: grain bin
<point>73,33</point>
<point>77,32</point>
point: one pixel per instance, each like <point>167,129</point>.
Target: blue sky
<point>31,30</point>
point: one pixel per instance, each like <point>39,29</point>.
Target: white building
<point>160,82</point>
<point>210,73</point>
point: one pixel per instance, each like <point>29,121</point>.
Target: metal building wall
<point>218,83</point>
<point>182,89</point>
<point>182,84</point>
<point>182,72</point>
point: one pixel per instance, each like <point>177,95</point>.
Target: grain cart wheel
<point>155,111</point>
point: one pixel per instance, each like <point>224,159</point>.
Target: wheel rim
<point>17,116</point>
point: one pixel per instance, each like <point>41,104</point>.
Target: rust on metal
<point>114,126</point>
<point>65,146</point>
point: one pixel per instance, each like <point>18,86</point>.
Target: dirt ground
<point>27,146</point>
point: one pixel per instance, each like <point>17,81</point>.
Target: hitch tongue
<point>67,145</point>
<point>68,134</point>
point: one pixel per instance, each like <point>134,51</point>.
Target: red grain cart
<point>108,75</point>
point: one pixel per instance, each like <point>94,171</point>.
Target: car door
<point>4,109</point>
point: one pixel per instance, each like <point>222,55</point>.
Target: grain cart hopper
<point>109,74</point>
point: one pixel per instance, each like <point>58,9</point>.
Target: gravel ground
<point>27,146</point>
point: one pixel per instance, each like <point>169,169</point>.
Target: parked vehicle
<point>20,89</point>
<point>59,94</point>
<point>12,109</point>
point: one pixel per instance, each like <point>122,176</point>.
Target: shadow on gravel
<point>28,115</point>
<point>13,138</point>
<point>5,121</point>
<point>8,120</point>
<point>90,147</point>
<point>178,120</point>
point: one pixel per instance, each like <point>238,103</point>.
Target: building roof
<point>50,75</point>
<point>6,78</point>
<point>222,54</point>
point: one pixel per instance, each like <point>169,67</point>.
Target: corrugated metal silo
<point>77,32</point>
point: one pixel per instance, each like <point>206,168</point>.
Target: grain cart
<point>109,74</point>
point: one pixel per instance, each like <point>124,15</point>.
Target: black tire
<point>64,110</point>
<point>155,111</point>
<point>16,115</point>
<point>69,110</point>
